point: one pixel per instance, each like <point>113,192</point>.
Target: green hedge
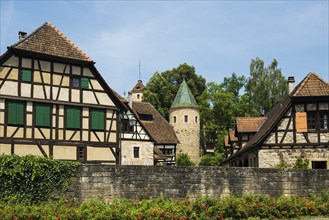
<point>31,178</point>
<point>230,207</point>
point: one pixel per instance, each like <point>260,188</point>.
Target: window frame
<point>186,118</point>
<point>126,127</point>
<point>13,119</point>
<point>37,114</point>
<point>81,151</point>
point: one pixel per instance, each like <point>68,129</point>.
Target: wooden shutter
<point>97,119</point>
<point>301,122</point>
<point>73,117</point>
<point>26,75</point>
<point>16,113</point>
<point>84,83</point>
<point>42,115</point>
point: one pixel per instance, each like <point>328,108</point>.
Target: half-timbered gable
<point>297,127</point>
<point>54,102</point>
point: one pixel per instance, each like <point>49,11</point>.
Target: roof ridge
<point>305,81</point>
<point>29,35</point>
<point>68,40</point>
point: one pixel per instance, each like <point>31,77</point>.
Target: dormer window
<point>146,117</point>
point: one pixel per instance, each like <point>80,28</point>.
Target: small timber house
<point>297,127</point>
<point>54,102</point>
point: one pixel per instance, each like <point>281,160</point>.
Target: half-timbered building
<point>54,102</point>
<point>297,127</point>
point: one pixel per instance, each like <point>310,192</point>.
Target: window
<point>138,96</point>
<point>97,119</point>
<point>26,75</point>
<point>196,119</point>
<point>75,82</point>
<point>146,117</point>
<point>174,119</point>
<point>15,113</point>
<point>323,120</point>
<point>311,120</point>
<point>136,152</point>
<point>319,164</point>
<point>73,117</point>
<point>126,127</point>
<point>185,118</point>
<point>81,154</point>
<point>84,83</point>
<point>42,114</point>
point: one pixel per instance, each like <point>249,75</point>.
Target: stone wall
<point>108,182</point>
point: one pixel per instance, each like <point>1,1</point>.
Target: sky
<point>216,37</point>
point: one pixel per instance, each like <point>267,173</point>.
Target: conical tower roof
<point>184,97</point>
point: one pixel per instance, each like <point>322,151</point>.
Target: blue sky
<point>216,37</point>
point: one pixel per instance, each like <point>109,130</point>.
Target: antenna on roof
<point>139,70</point>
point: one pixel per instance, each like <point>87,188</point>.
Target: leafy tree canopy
<point>162,88</point>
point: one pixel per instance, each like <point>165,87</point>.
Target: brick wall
<point>108,182</point>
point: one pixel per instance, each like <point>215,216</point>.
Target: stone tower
<point>137,92</point>
<point>184,116</point>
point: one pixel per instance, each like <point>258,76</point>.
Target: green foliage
<point>230,207</point>
<point>282,165</point>
<point>30,178</point>
<point>162,88</point>
<point>211,160</point>
<point>265,87</point>
<point>183,159</point>
<point>301,163</point>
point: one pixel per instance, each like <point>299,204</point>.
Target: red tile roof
<point>159,129</point>
<point>312,85</point>
<point>47,39</point>
<point>232,136</point>
<point>249,124</point>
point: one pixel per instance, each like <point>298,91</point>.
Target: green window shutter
<point>73,117</point>
<point>84,83</point>
<point>97,119</point>
<point>42,115</point>
<point>16,113</point>
<point>26,75</point>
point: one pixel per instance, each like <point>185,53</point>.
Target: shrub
<point>301,163</point>
<point>211,160</point>
<point>183,159</point>
<point>282,165</point>
<point>31,178</point>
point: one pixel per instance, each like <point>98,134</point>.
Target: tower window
<point>186,118</point>
<point>138,96</point>
<point>196,119</point>
<point>174,119</point>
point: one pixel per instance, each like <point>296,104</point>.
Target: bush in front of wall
<point>211,160</point>
<point>183,159</point>
<point>301,163</point>
<point>30,179</point>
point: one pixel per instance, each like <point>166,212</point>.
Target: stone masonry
<point>108,182</point>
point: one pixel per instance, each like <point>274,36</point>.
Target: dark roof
<point>159,129</point>
<point>184,97</point>
<point>306,88</point>
<point>249,124</point>
<point>138,87</point>
<point>123,100</point>
<point>47,39</point>
<point>312,85</point>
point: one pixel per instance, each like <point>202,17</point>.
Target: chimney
<point>291,84</point>
<point>21,35</point>
<point>130,100</point>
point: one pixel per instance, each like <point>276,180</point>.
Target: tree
<point>162,88</point>
<point>211,160</point>
<point>265,87</point>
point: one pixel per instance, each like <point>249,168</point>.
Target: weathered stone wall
<point>108,182</point>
